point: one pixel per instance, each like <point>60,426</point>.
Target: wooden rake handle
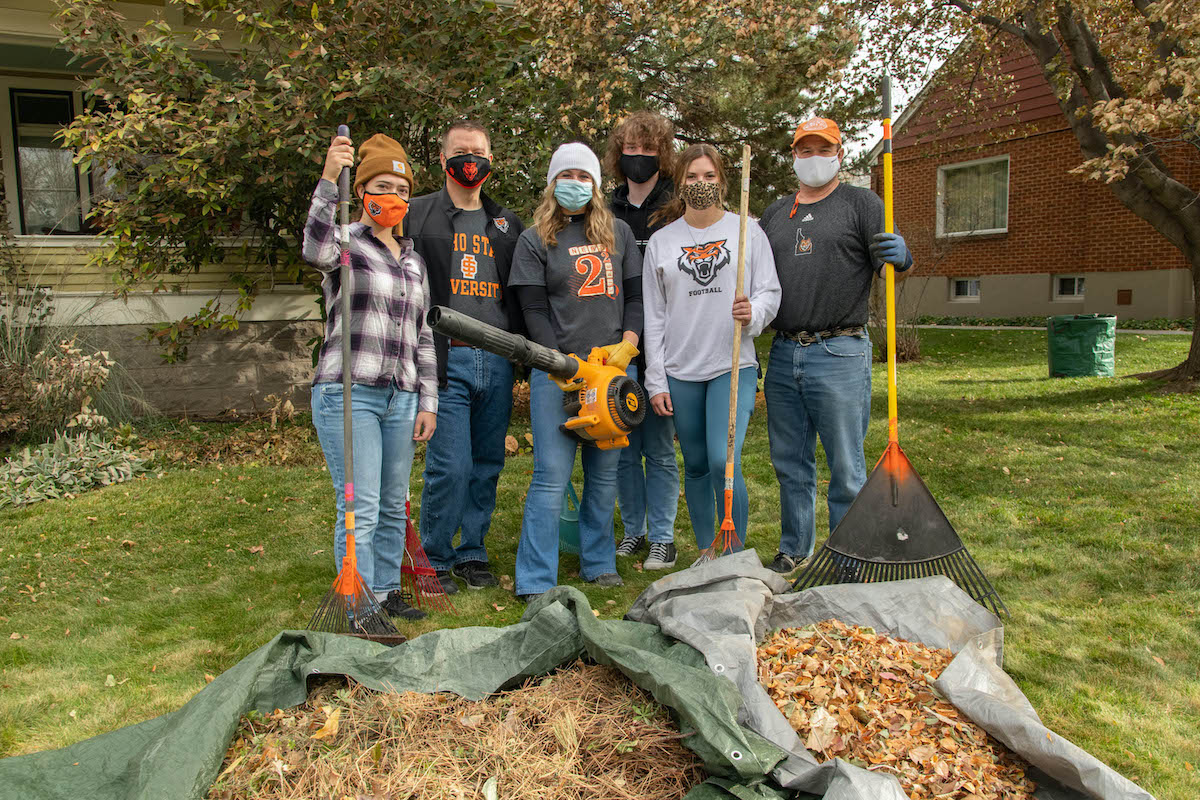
<point>737,326</point>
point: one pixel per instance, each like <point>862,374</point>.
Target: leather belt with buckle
<point>805,338</point>
<point>460,343</point>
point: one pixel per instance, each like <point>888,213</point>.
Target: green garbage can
<point>568,522</point>
<point>1081,345</point>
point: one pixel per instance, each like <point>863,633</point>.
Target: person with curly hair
<point>640,154</point>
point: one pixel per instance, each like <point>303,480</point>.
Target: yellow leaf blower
<point>603,412</point>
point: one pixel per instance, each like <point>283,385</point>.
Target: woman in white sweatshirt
<point>688,281</point>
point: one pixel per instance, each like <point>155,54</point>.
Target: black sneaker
<point>449,585</point>
<point>662,556</point>
<point>395,606</point>
<point>607,580</point>
<point>783,564</point>
<point>630,545</point>
<point>476,574</point>
<point>529,598</point>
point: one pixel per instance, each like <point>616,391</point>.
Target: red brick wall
<point>1057,222</point>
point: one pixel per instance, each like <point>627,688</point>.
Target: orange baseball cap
<point>827,129</point>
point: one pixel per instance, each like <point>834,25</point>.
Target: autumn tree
<point>1127,78</point>
<point>215,132</point>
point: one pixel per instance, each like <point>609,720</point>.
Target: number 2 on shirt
<point>592,266</point>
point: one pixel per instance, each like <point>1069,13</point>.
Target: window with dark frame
<point>48,186</point>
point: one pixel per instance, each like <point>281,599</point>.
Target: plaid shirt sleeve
<point>321,248</point>
<point>427,377</point>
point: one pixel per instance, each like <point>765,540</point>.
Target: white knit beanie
<point>574,155</point>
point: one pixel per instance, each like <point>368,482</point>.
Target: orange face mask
<point>386,209</point>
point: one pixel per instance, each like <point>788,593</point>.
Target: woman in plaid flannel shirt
<point>394,370</point>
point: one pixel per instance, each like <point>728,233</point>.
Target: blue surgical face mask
<point>572,195</point>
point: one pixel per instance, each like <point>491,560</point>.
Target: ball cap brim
<point>827,129</point>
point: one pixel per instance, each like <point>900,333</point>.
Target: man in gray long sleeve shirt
<point>828,245</point>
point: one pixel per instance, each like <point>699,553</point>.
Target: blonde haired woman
<point>577,275</point>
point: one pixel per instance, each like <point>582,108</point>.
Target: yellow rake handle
<point>890,270</point>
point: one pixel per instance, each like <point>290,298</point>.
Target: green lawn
<point>1079,498</point>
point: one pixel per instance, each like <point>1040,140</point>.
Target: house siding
<point>1058,223</point>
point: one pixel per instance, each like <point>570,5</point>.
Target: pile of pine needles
<point>583,732</point>
<point>867,698</point>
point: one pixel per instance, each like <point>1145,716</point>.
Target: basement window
<point>1068,288</point>
<point>964,290</point>
<point>972,197</point>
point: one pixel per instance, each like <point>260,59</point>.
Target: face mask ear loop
<point>795,206</point>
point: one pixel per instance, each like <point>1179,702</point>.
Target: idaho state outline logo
<point>704,261</point>
<point>470,170</point>
<point>803,243</point>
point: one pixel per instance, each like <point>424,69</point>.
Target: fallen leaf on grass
<point>506,583</point>
<point>93,519</point>
<point>256,549</point>
<point>330,728</point>
<point>128,544</point>
<point>209,678</point>
<point>498,607</point>
<point>110,681</point>
<point>510,445</point>
<point>1161,663</point>
<point>15,636</point>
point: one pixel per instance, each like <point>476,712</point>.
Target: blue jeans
<point>823,389</point>
<point>464,458</point>
<point>702,421</point>
<point>382,418</point>
<point>553,462</point>
<point>650,499</point>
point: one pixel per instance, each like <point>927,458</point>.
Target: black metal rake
<point>894,529</point>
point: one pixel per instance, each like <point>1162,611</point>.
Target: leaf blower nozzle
<point>603,412</point>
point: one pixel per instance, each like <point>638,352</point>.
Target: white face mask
<point>816,171</point>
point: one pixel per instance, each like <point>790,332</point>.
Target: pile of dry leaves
<point>864,697</point>
<point>583,732</point>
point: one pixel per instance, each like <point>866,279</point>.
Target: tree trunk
<point>1186,375</point>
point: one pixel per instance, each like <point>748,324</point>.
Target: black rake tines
<point>357,613</point>
<point>830,566</point>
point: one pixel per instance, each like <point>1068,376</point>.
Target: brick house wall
<point>1058,223</point>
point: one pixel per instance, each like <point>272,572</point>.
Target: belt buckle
<point>805,338</point>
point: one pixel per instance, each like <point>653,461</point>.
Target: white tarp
<point>726,607</point>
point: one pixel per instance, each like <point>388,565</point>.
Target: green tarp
<point>178,755</point>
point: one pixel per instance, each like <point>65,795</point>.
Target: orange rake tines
<point>418,579</point>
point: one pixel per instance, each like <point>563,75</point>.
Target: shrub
<point>67,466</point>
<point>52,392</point>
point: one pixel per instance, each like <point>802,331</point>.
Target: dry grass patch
<point>583,732</point>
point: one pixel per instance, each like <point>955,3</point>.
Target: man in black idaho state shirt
<point>641,155</point>
<point>467,241</point>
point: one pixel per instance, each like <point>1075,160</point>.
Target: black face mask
<point>639,169</point>
<point>468,170</point>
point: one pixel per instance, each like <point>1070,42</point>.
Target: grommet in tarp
<point>718,668</point>
<point>315,672</point>
<point>736,755</point>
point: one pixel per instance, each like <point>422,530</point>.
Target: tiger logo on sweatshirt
<point>704,261</point>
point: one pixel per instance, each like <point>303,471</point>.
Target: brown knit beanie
<point>382,154</point>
